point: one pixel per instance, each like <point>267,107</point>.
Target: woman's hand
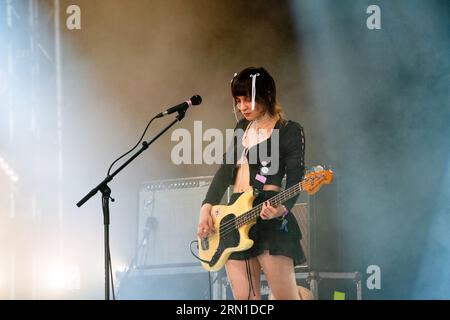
<point>205,221</point>
<point>268,212</point>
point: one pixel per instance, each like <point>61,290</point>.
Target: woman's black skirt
<point>271,236</point>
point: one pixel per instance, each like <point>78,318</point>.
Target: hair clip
<point>253,76</point>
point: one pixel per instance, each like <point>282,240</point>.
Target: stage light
<point>9,172</point>
<point>63,277</point>
<point>121,269</point>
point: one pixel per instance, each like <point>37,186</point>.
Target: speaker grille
<point>168,218</point>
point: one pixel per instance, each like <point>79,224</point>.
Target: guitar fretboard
<point>253,213</point>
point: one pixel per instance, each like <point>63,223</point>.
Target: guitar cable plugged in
<point>192,252</point>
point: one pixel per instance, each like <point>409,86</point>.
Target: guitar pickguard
<point>229,237</point>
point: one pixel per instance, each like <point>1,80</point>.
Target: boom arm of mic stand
<point>145,145</point>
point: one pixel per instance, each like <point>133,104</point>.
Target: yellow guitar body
<point>221,215</point>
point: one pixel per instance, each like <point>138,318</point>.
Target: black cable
<point>197,257</point>
<point>108,173</point>
<point>137,144</point>
<point>250,280</point>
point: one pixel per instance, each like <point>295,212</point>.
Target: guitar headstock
<point>313,181</point>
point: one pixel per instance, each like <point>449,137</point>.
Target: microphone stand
<point>106,195</point>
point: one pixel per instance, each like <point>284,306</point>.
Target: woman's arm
<point>294,153</point>
<point>220,182</point>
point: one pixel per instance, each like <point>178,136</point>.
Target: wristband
<point>285,213</point>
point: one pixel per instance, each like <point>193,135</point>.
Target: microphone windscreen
<point>196,100</point>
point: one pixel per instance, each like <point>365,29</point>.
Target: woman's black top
<point>291,155</point>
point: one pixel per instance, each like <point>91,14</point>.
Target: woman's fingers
<point>202,233</point>
<point>206,223</point>
<point>205,229</point>
<point>210,224</point>
<point>267,211</point>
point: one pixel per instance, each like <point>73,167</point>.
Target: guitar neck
<point>253,214</point>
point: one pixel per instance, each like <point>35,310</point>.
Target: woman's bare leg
<point>240,285</point>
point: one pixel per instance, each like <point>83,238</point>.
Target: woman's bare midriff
<point>252,136</point>
<point>267,187</point>
<point>241,183</point>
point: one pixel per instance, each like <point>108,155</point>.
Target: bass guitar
<point>233,222</point>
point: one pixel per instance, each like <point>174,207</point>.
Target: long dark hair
<point>266,92</point>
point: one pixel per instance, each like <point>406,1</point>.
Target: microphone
<point>195,100</point>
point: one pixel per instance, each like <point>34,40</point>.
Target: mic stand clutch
<point>106,195</point>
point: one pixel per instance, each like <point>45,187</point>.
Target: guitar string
<point>253,213</point>
<point>238,222</point>
<point>249,214</point>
